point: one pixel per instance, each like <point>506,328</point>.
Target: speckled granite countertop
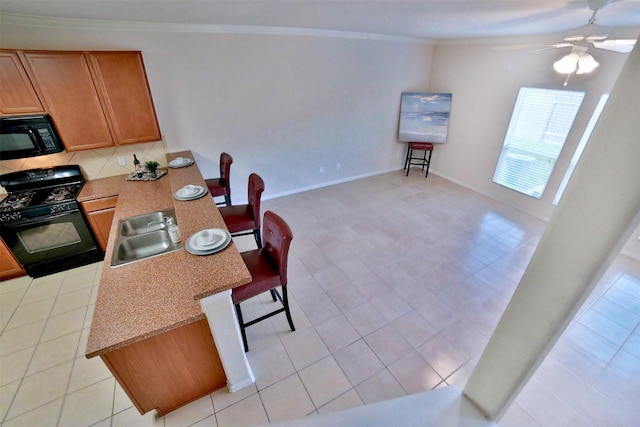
<point>102,187</point>
<point>152,296</point>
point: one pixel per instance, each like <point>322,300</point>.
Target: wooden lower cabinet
<point>169,370</point>
<point>99,213</point>
<point>9,265</point>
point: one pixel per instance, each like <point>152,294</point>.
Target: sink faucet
<point>154,223</point>
<point>164,223</point>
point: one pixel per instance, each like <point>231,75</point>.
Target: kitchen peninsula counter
<point>147,297</point>
<point>156,297</point>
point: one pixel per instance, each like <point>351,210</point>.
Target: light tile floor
<point>397,284</point>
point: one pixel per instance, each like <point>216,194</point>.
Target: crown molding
<point>101,25</point>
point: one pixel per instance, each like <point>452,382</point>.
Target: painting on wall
<point>424,117</point>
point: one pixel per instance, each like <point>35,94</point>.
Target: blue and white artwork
<point>424,117</point>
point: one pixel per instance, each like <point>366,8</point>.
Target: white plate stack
<point>208,241</point>
<point>180,162</point>
<point>190,192</point>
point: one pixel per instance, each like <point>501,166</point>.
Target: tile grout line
<point>4,418</point>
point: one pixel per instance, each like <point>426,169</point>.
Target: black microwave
<point>28,136</point>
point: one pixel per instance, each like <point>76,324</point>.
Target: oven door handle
<point>36,138</point>
<point>47,218</point>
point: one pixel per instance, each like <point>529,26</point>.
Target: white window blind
<point>539,126</point>
<point>581,146</point>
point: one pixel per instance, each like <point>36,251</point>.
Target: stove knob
<point>13,216</point>
<point>59,207</point>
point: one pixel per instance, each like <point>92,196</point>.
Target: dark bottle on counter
<point>136,165</point>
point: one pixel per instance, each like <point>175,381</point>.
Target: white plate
<point>197,196</point>
<point>181,194</point>
<point>190,190</point>
<point>193,248</point>
<point>208,239</point>
<point>180,162</point>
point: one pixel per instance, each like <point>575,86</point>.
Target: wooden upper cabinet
<point>17,95</point>
<point>64,81</point>
<point>122,85</point>
<point>96,99</point>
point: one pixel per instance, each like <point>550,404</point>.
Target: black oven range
<point>42,223</point>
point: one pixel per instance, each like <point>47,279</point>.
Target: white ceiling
<point>431,19</point>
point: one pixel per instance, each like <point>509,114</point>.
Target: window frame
<point>541,121</point>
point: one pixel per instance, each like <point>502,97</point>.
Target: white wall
<point>285,105</point>
<point>485,83</point>
<point>484,78</point>
<point>281,105</point>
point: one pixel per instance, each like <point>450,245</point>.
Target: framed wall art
<point>424,117</point>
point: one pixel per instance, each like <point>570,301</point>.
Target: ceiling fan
<point>581,39</point>
<point>594,35</point>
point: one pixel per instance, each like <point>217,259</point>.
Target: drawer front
<point>100,204</point>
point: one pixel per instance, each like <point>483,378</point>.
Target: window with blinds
<point>539,126</point>
<point>581,146</point>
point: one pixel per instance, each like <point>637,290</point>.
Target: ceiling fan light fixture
<point>567,64</point>
<point>586,64</point>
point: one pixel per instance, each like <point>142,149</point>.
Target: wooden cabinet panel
<point>169,370</point>
<point>122,85</point>
<point>17,95</point>
<point>96,99</point>
<point>65,84</point>
<point>9,266</point>
<point>100,213</point>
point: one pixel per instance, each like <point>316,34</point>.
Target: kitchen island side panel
<point>169,370</point>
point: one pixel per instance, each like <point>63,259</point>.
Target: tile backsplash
<point>100,163</point>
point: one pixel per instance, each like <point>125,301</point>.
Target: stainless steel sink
<point>142,237</point>
<point>145,223</point>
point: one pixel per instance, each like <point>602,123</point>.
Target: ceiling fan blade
<point>615,45</point>
<point>595,38</point>
<point>586,32</point>
<point>519,46</point>
<point>537,47</point>
<point>554,46</point>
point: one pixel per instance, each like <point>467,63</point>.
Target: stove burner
<point>17,201</point>
<point>54,198</point>
<point>61,193</point>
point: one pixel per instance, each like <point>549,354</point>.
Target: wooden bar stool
<point>268,268</point>
<point>423,161</point>
<point>221,186</point>
<point>243,220</point>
